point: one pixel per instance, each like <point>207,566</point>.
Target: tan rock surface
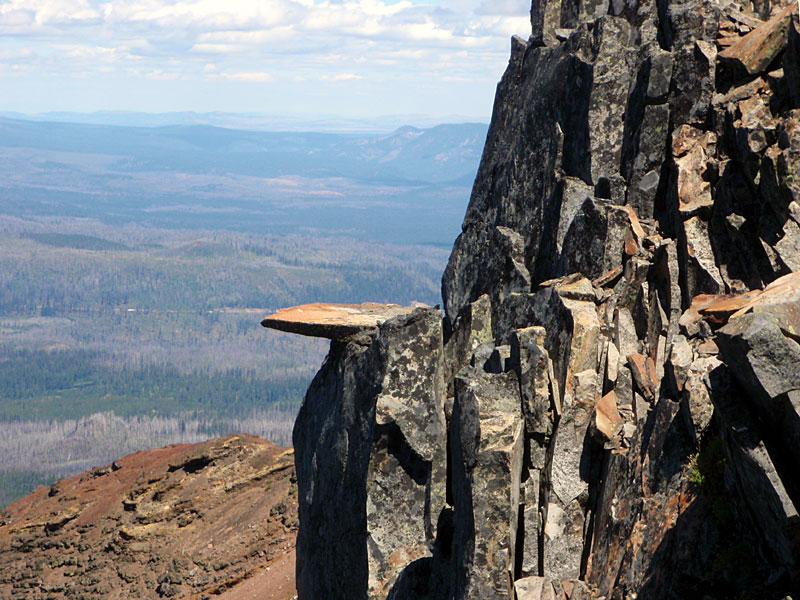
<point>607,419</point>
<point>782,295</point>
<point>334,321</point>
<point>644,374</point>
<point>785,289</point>
<point>692,149</point>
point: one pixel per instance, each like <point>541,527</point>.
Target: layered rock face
<point>610,405</point>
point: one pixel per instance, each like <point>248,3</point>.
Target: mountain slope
<point>404,187</point>
<point>215,518</point>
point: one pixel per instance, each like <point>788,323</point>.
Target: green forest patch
<point>16,484</point>
<point>76,241</point>
<point>69,384</point>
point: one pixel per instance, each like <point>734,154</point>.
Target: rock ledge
<point>334,321</point>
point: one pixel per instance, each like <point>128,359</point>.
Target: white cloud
<point>30,15</point>
<point>265,40</point>
<point>13,17</point>
<point>254,23</point>
<point>503,7</point>
<point>218,48</point>
<point>155,74</point>
<point>252,77</point>
<point>341,77</point>
<point>16,55</point>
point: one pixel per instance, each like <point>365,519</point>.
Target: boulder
<point>595,241</point>
<point>534,588</point>
<point>612,74</point>
<point>407,469</point>
<point>472,327</point>
<point>702,272</point>
<point>532,364</point>
<point>566,495</point>
<point>648,154</point>
<point>693,82</point>
<point>332,438</point>
<point>753,475</point>
<point>545,20</point>
<point>607,420</point>
<point>692,150</point>
<point>531,524</point>
<point>644,374</point>
<point>765,360</point>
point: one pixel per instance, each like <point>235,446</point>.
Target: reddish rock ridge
<point>215,519</point>
<point>334,321</point>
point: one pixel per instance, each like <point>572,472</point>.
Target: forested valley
<point>117,339</point>
<point>137,264</point>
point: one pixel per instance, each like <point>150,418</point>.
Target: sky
<point>351,58</point>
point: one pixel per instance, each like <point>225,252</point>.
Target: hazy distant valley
<point>405,187</point>
<point>138,262</point>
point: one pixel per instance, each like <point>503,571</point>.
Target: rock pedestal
<point>371,460</point>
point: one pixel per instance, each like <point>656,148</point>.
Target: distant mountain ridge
<point>444,153</point>
<point>250,121</point>
<point>407,186</point>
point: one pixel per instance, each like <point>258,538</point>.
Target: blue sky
<point>301,57</point>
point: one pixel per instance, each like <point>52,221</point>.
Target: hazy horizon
<point>255,121</point>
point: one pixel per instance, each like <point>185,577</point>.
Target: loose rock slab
<point>757,49</point>
<point>334,321</point>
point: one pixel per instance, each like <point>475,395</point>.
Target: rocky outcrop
<point>611,399</point>
<point>214,519</point>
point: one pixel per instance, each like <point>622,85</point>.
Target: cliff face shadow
<point>414,582</point>
<point>425,578</point>
<point>708,554</point>
<point>712,550</point>
<point>389,439</point>
<point>333,429</point>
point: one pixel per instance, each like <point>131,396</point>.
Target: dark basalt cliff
<point>610,405</point>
